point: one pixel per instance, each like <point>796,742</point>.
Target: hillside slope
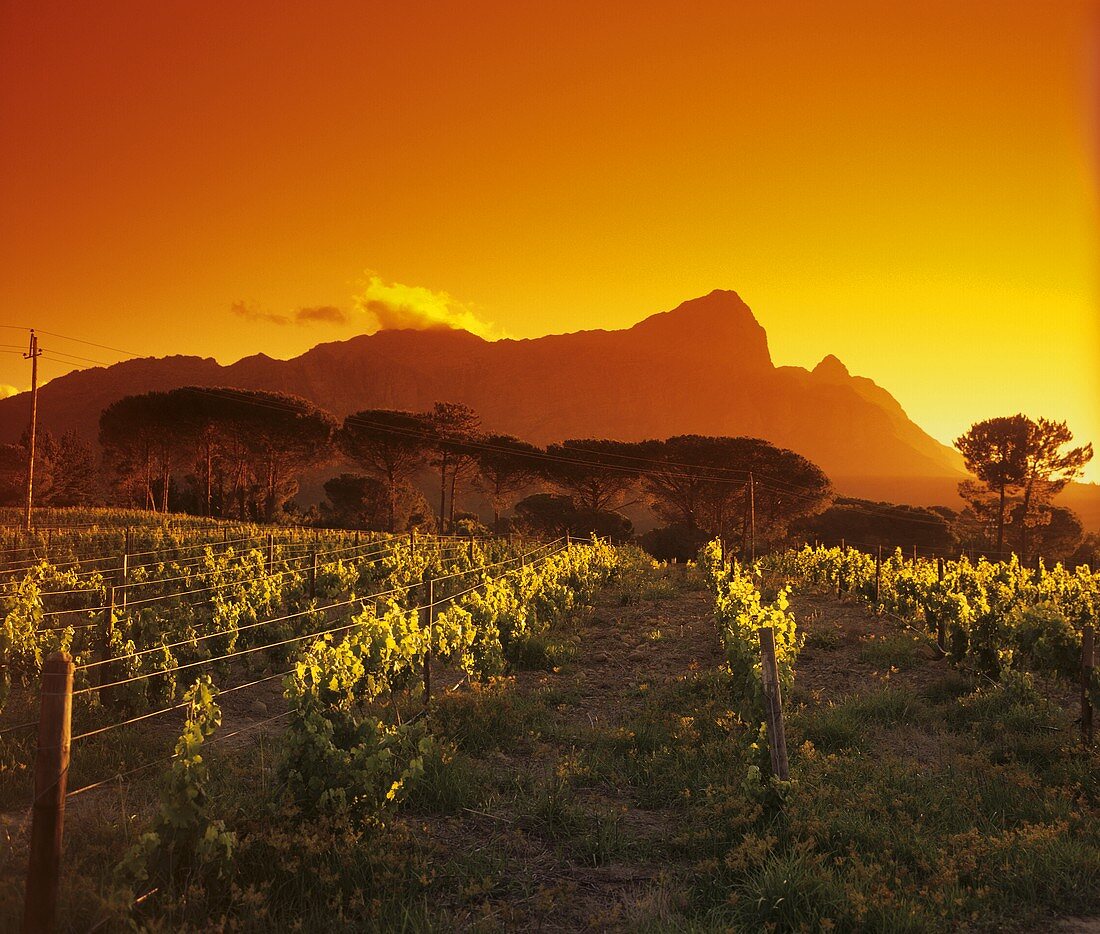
<point>703,367</point>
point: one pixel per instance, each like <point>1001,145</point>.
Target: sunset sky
<point>914,190</point>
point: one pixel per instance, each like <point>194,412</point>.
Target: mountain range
<point>702,368</point>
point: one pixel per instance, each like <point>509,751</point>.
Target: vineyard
<point>274,728</point>
<point>164,621</point>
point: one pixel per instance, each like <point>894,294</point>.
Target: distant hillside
<point>703,367</point>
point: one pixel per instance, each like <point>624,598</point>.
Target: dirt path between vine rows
<point>594,859</point>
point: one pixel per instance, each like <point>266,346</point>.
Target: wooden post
<point>106,631</point>
<point>312,574</point>
<point>914,554</point>
<point>568,539</point>
<point>941,626</point>
<point>412,545</point>
<point>752,518</point>
<point>773,703</point>
<point>356,538</point>
<point>470,551</point>
<point>124,577</point>
<point>129,541</point>
<point>1088,671</point>
<point>51,771</point>
<point>427,616</point>
<point>878,576</point>
<point>270,553</point>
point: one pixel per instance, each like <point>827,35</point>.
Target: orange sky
<point>913,190</point>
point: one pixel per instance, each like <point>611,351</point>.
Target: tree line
<point>237,453</point>
<point>242,454</point>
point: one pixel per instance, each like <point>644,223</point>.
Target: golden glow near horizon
<point>913,190</point>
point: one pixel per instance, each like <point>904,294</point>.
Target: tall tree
<point>1048,468</point>
<point>73,473</point>
<point>506,467</point>
<point>452,427</point>
<point>258,441</point>
<point>357,501</point>
<point>702,483</point>
<point>599,475</point>
<point>996,452</point>
<point>1055,533</point>
<point>141,443</point>
<point>391,446</point>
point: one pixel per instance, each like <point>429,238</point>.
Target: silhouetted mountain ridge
<point>703,367</point>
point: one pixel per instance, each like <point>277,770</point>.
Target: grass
<point>920,800</point>
<point>850,724</point>
<point>901,650</point>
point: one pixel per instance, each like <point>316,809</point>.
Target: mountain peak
<point>831,368</point>
<point>716,324</point>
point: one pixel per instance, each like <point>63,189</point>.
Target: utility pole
<point>33,354</point>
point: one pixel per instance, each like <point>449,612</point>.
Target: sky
<point>914,187</point>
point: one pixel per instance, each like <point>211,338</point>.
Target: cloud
<point>391,306</point>
<point>329,314</point>
<point>252,313</point>
<point>319,314</point>
<point>6,390</point>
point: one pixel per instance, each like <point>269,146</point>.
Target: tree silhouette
<point>598,474</point>
<point>886,524</point>
<point>1048,470</point>
<point>702,483</point>
<point>1019,460</point>
<point>141,440</point>
<point>452,426</point>
<point>357,501</point>
<point>506,467</point>
<point>995,451</point>
<point>391,446</point>
<point>256,443</point>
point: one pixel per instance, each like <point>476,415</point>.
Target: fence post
<point>270,553</point>
<point>773,703</point>
<point>941,626</point>
<point>878,576</point>
<point>124,574</point>
<point>427,615</point>
<point>107,628</point>
<point>312,574</point>
<point>51,772</point>
<point>1088,669</point>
